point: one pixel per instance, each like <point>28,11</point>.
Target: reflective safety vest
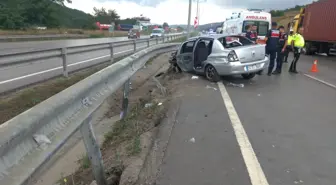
<point>298,41</point>
<point>289,39</point>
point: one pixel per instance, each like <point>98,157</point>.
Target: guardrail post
<point>125,99</point>
<point>148,44</point>
<point>64,61</point>
<point>111,52</point>
<point>134,42</point>
<point>93,151</point>
<point>163,39</point>
<point>157,40</point>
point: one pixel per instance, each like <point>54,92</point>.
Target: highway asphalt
<point>13,47</point>
<point>13,77</point>
<point>277,130</point>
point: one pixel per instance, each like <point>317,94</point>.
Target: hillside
<point>72,18</point>
<point>286,18</point>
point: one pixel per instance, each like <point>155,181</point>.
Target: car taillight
<point>232,57</point>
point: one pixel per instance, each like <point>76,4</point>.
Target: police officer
<point>288,46</point>
<point>280,49</point>
<point>254,34</point>
<point>272,41</point>
<point>297,44</point>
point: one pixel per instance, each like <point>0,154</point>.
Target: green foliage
<point>105,17</point>
<point>25,14</point>
<point>279,13</point>
<point>165,25</point>
<point>22,14</point>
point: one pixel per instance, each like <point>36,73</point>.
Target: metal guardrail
<point>30,139</point>
<point>30,56</point>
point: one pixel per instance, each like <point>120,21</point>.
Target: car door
<point>185,56</point>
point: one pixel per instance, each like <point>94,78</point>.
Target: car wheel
<point>248,76</point>
<point>211,73</point>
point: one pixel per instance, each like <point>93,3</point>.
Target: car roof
<point>212,36</point>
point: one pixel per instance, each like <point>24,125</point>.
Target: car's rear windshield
<point>235,41</point>
<point>262,27</point>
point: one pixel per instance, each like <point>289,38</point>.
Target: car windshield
<point>156,31</point>
<point>235,41</point>
<point>262,27</point>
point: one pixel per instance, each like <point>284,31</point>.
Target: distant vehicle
<point>236,23</point>
<point>133,34</point>
<point>222,55</point>
<point>125,27</point>
<point>318,21</point>
<point>157,32</point>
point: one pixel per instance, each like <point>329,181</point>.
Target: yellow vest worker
<point>299,41</point>
<point>289,40</point>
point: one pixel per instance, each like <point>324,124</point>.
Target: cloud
<point>264,4</point>
<point>176,11</point>
<point>170,11</point>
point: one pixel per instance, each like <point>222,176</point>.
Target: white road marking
<point>254,169</point>
<point>56,68</point>
<point>319,80</point>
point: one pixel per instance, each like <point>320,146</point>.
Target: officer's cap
<point>274,24</point>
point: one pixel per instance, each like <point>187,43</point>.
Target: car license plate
<point>251,67</point>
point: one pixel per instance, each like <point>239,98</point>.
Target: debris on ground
<point>194,77</point>
<point>209,87</point>
<point>235,85</point>
<point>147,105</point>
<point>192,140</point>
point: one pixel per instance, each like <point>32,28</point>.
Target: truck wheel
<point>308,49</point>
<point>329,52</point>
<point>248,76</point>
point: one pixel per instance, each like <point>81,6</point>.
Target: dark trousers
<point>285,55</point>
<point>272,55</point>
<point>280,56</point>
<point>297,53</point>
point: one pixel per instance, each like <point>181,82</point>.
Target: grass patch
<point>138,121</point>
<point>84,162</point>
<point>134,148</point>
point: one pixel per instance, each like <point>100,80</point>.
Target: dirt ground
<point>127,142</point>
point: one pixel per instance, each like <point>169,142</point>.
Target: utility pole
<point>189,16</point>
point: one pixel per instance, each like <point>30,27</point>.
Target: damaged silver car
<point>222,55</point>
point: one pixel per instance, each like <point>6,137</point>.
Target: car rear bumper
<point>235,68</point>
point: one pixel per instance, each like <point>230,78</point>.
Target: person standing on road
<point>297,44</point>
<point>254,34</point>
<point>288,47</point>
<point>280,50</point>
<point>248,31</point>
<point>272,41</point>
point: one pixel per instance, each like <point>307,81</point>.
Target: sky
<point>176,11</point>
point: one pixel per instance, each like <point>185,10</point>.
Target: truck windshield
<point>262,27</point>
<point>156,31</point>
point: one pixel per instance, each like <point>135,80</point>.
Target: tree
<point>165,25</point>
<point>22,14</point>
<point>105,17</point>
